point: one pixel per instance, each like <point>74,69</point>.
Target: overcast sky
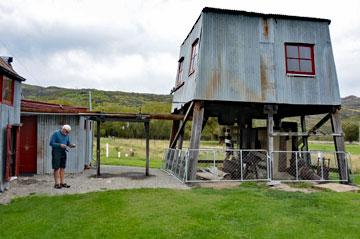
<point>133,45</point>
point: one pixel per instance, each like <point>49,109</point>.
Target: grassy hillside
<point>119,101</point>
<point>102,100</point>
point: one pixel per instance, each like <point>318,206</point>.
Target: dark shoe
<point>64,185</point>
<point>57,186</point>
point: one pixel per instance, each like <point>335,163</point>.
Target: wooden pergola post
<point>98,148</point>
<point>147,135</point>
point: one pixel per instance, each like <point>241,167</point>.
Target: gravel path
<point>112,177</point>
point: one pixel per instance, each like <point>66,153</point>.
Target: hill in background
<point>111,101</point>
<point>131,101</point>
<point>119,101</point>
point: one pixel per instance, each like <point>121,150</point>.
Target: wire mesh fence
<point>309,166</point>
<point>209,165</point>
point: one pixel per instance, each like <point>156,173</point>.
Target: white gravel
<point>112,177</point>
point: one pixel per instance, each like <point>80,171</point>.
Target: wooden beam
<point>339,146</point>
<point>316,127</point>
<point>122,116</point>
<point>147,134</point>
<point>319,124</point>
<point>198,117</point>
<point>173,143</point>
<point>98,148</point>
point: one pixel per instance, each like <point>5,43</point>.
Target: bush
<point>351,132</point>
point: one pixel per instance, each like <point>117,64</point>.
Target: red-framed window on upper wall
<point>299,58</point>
<point>194,56</point>
<point>179,77</point>
<point>7,90</point>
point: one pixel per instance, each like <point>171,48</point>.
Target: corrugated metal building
<point>39,121</point>
<point>10,96</point>
<point>238,56</point>
<point>239,66</point>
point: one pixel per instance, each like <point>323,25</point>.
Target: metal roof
<point>43,107</point>
<point>7,70</point>
<point>256,14</point>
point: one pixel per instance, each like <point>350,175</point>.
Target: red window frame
<point>300,58</point>
<point>5,101</point>
<point>194,55</point>
<point>179,77</point>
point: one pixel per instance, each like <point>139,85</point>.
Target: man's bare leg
<point>57,176</point>
<point>62,173</point>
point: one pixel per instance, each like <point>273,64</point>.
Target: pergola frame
<point>127,117</point>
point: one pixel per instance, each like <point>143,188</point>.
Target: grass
<point>350,148</point>
<point>246,212</point>
<point>125,146</point>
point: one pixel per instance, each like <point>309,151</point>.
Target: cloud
<point>134,45</point>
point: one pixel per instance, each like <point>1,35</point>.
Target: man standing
<point>60,142</point>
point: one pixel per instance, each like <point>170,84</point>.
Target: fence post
<point>241,166</point>
<point>296,166</point>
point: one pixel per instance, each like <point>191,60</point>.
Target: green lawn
<point>245,212</point>
<point>350,148</point>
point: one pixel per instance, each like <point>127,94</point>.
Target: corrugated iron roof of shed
<point>43,107</point>
<point>255,14</point>
<point>7,69</point>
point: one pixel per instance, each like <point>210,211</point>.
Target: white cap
<point>67,127</point>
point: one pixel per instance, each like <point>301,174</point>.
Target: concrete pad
<point>112,178</point>
<point>217,185</point>
<point>337,187</point>
<point>287,188</point>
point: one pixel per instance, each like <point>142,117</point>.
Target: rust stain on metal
<point>213,85</point>
<point>265,28</point>
<point>263,77</point>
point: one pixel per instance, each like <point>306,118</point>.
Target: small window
<point>7,91</point>
<point>299,58</point>
<point>179,77</point>
<point>194,56</point>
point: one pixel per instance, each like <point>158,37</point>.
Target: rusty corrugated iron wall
<point>187,92</point>
<point>242,59</point>
<point>8,115</point>
<point>77,157</point>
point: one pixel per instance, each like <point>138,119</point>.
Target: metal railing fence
<point>211,165</point>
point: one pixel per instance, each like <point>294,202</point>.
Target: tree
<point>351,132</point>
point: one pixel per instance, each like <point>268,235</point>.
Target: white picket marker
<point>119,154</point>
<point>107,150</point>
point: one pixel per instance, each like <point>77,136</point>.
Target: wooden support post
<point>305,146</point>
<point>173,143</point>
<point>147,135</point>
<point>339,145</point>
<point>174,130</point>
<point>181,139</point>
<point>269,110</point>
<point>98,148</point>
<point>198,117</point>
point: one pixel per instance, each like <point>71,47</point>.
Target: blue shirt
<point>58,138</point>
